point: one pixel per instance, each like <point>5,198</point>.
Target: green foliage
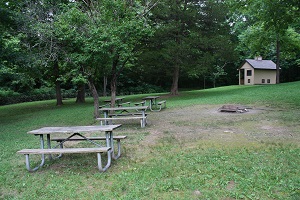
<point>99,41</point>
<point>141,89</point>
<point>11,97</point>
<point>253,45</point>
<point>93,40</point>
<point>267,28</point>
<point>13,74</point>
<point>192,39</point>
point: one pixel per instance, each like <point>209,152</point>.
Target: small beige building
<point>257,71</point>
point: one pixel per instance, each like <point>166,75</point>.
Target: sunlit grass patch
<point>259,172</point>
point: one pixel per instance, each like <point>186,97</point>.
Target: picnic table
<point>73,132</point>
<point>153,103</point>
<point>119,102</point>
<point>124,113</point>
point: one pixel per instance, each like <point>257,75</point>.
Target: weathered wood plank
<point>125,103</point>
<point>126,114</point>
<point>74,129</point>
<point>59,151</point>
<point>122,118</point>
<point>161,102</point>
<point>117,137</point>
<point>140,103</point>
<point>125,108</point>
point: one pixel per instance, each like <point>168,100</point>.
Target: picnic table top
<point>150,97</point>
<point>73,129</point>
<point>117,99</point>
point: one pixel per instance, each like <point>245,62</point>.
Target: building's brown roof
<point>261,64</point>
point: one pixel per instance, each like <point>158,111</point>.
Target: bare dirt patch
<point>205,122</point>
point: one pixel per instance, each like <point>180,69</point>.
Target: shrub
<point>8,96</point>
<point>141,89</point>
<point>11,97</point>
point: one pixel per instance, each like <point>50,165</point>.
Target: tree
<point>189,39</point>
<point>13,75</point>
<point>38,26</point>
<point>81,39</point>
<point>127,26</point>
<point>270,23</point>
<point>102,37</point>
<point>276,17</point>
<point>174,21</point>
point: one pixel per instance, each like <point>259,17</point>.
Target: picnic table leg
<point>49,145</point>
<point>155,103</point>
<point>150,104</point>
<point>42,147</point>
<point>143,122</point>
<point>28,163</point>
<point>119,149</point>
<point>105,116</point>
<point>43,157</point>
<point>103,169</point>
<point>110,143</point>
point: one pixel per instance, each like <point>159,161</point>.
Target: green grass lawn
<point>167,170</point>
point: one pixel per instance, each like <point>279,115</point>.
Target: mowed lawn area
<point>187,151</point>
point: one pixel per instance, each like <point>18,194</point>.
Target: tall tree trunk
<point>80,94</point>
<point>95,97</point>
<point>113,81</point>
<point>214,81</point>
<point>57,84</point>
<point>178,40</point>
<point>104,86</point>
<point>58,93</point>
<point>80,90</point>
<point>114,78</point>
<point>113,87</point>
<point>277,61</point>
<point>174,88</point>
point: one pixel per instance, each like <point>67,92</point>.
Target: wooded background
<point>67,48</point>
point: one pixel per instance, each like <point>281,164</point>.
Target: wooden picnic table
<point>72,131</point>
<point>152,101</point>
<point>118,100</point>
<point>130,112</point>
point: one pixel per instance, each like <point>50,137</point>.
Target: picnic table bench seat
<point>105,105</point>
<point>140,103</point>
<point>99,150</point>
<point>125,103</point>
<point>162,104</point>
<point>117,137</point>
<point>126,114</point>
<point>123,113</point>
<point>119,105</point>
<point>126,117</point>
